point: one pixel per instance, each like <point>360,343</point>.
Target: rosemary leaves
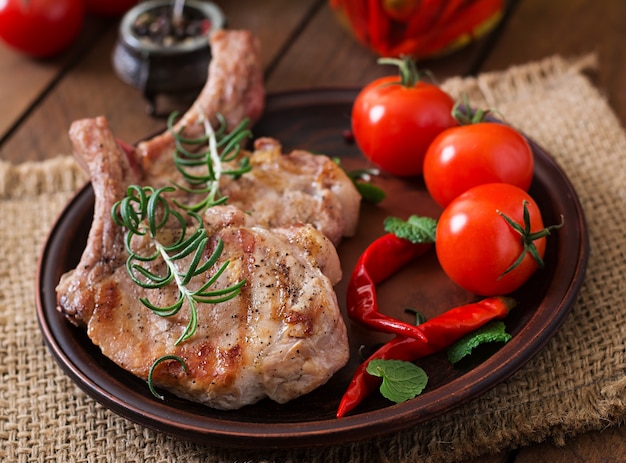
<point>145,211</point>
<point>221,147</point>
<point>178,258</point>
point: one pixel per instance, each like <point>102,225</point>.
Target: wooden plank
<point>93,89</point>
<point>23,80</point>
<point>572,28</point>
<point>350,64</point>
<point>593,447</point>
<point>274,22</point>
<point>90,90</point>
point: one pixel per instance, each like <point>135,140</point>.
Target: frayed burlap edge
<point>36,178</point>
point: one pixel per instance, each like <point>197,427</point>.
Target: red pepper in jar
<point>401,10</point>
<point>424,19</point>
<point>439,333</point>
<point>418,29</point>
<point>378,25</point>
<point>385,256</point>
<point>460,26</point>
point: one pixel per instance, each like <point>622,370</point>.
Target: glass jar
<point>417,28</point>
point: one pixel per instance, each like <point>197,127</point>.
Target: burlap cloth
<point>576,383</point>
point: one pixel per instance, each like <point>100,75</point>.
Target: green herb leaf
<point>361,180</point>
<point>156,363</point>
<point>415,229</point>
<point>402,381</point>
<point>370,193</point>
<point>419,316</point>
<point>145,211</point>
<point>490,333</point>
<point>209,153</point>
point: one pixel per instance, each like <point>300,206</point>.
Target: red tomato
<point>470,155</point>
<point>475,245</point>
<point>110,8</point>
<point>40,28</point>
<point>393,124</point>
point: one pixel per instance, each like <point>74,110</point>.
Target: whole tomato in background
<point>109,8</point>
<point>40,28</point>
<point>395,118</point>
<point>480,250</point>
<point>469,155</point>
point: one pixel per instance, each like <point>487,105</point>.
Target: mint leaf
<point>416,229</point>
<point>490,333</point>
<point>401,380</point>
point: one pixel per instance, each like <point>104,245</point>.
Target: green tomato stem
<point>528,238</point>
<point>409,74</point>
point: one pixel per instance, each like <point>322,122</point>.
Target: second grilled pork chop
<point>283,335</point>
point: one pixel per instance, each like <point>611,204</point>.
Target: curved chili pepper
<point>402,10</point>
<point>423,20</point>
<point>440,332</point>
<point>385,256</point>
<point>378,27</point>
<point>450,8</point>
<point>463,22</point>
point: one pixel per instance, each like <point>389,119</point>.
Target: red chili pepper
<point>449,9</point>
<point>440,332</point>
<point>424,18</point>
<point>379,27</point>
<point>402,10</point>
<point>354,14</point>
<point>381,259</point>
<point>463,22</point>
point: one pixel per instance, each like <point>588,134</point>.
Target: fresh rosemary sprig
<point>157,362</point>
<point>145,211</point>
<point>202,169</point>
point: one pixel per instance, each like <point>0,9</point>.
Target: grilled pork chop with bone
<point>283,335</point>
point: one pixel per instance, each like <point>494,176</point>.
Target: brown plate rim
<point>112,392</point>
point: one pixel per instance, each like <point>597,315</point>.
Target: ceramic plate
<point>317,121</point>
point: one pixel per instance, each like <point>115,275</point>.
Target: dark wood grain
<point>25,82</point>
<point>571,28</point>
<point>608,445</point>
<point>89,86</point>
<point>350,64</point>
<point>303,47</point>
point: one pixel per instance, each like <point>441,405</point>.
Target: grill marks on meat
<point>271,341</point>
<point>283,335</point>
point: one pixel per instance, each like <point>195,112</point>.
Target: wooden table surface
<point>303,47</point>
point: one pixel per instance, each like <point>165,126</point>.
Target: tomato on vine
<point>491,239</point>
<point>395,118</point>
<point>477,151</point>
